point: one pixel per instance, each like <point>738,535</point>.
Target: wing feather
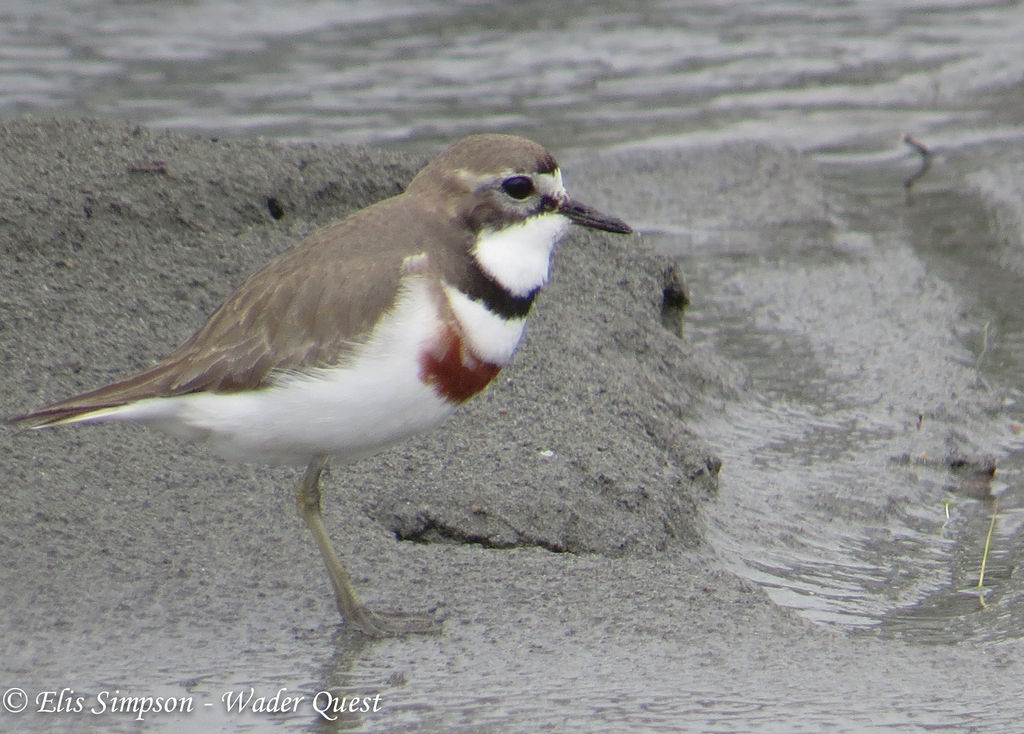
<point>308,307</point>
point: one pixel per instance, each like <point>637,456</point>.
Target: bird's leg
<point>352,608</point>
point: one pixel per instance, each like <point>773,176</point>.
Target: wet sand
<point>556,522</point>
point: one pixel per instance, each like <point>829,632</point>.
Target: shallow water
<point>838,493</point>
<point>870,509</point>
<point>580,76</point>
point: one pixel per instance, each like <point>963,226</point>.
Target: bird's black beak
<point>587,217</point>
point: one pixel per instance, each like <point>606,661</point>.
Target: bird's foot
<point>386,623</point>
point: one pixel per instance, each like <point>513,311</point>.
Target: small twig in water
<point>946,503</point>
<point>984,555</point>
<point>926,163</point>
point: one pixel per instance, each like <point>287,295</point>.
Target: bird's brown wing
<point>307,307</point>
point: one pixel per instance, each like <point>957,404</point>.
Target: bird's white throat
<point>519,256</point>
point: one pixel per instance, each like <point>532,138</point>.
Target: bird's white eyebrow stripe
<point>478,180</point>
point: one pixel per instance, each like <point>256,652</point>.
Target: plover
<point>371,329</point>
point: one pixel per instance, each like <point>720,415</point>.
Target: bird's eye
<point>518,187</point>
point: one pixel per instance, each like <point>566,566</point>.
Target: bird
<point>371,329</point>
